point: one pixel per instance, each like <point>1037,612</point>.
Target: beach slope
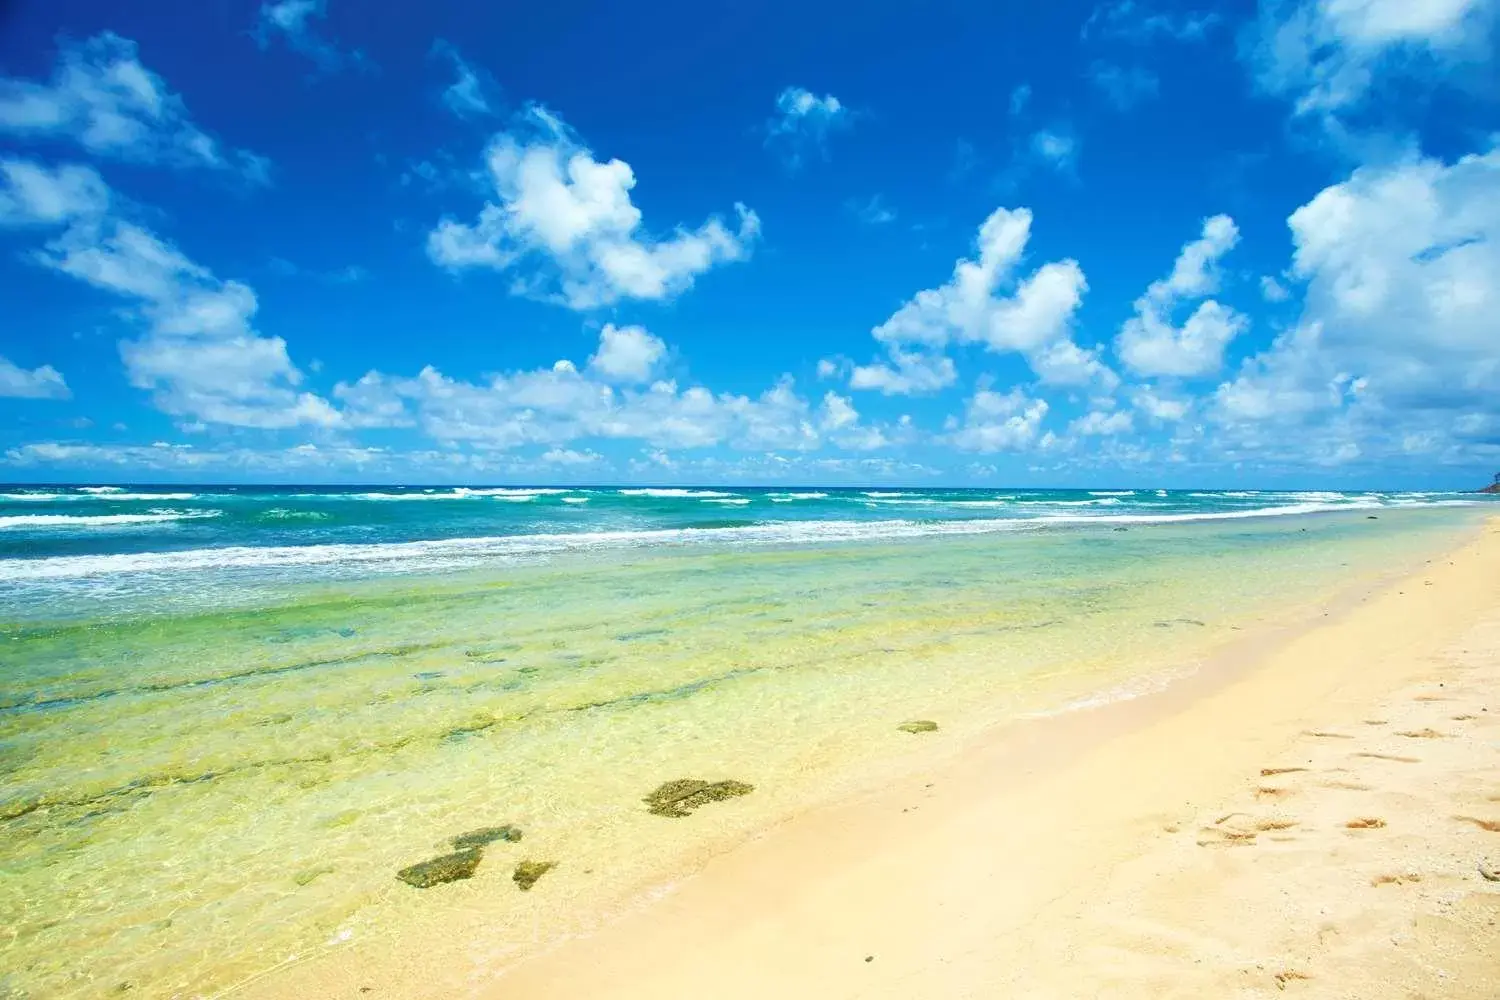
<point>1314,818</point>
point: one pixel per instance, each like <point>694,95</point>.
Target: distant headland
<point>1493,487</point>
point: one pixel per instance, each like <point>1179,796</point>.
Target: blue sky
<point>1139,243</point>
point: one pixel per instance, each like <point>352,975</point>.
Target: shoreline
<point>949,899</point>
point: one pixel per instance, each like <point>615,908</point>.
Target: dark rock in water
<point>1122,529</point>
<point>487,835</point>
<point>1371,517</point>
<point>918,726</point>
<point>448,868</point>
<point>527,872</point>
<point>679,798</point>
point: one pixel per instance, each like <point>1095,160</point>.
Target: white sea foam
<point>1111,493</point>
<point>575,499</point>
<point>666,494</point>
<point>1098,502</point>
<point>789,497</point>
<point>462,552</point>
<point>99,520</point>
<point>730,501</point>
<point>101,489</point>
<point>96,493</point>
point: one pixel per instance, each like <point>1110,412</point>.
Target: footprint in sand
<point>1390,756</point>
<point>1267,772</point>
<point>1490,825</point>
<point>1322,735</point>
<point>1423,734</point>
<point>1408,878</point>
<point>1365,823</point>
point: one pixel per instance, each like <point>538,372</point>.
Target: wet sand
<point>1311,816</point>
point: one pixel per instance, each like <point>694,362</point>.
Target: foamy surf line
<point>455,552</point>
<point>99,520</point>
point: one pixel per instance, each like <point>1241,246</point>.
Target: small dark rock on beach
<point>447,868</point>
<point>487,835</point>
<point>527,872</point>
<point>679,798</point>
<point>918,726</point>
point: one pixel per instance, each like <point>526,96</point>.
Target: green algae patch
<point>486,835</point>
<point>447,868</point>
<point>679,798</point>
<point>918,726</point>
<point>527,873</point>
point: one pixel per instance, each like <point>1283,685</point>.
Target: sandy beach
<point>1310,817</point>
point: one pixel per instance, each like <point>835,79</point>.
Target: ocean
<point>229,715</point>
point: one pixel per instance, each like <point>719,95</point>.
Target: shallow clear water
<point>214,760</point>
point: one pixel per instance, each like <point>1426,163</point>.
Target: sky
<point>1130,242</point>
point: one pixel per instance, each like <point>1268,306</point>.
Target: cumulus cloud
<point>995,421</point>
<point>803,123</point>
<point>101,98</point>
<point>563,224</point>
<point>627,354</point>
<point>199,355</point>
<point>1102,423</point>
<point>985,302</point>
<point>561,404</point>
<point>1326,55</point>
<point>1272,290</point>
<point>44,382</point>
<point>290,21</point>
<point>1396,345</point>
<point>1151,345</point>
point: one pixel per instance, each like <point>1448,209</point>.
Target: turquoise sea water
<point>229,715</point>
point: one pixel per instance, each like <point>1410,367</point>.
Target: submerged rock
<point>918,726</point>
<point>679,798</point>
<point>527,872</point>
<point>487,835</point>
<point>448,868</point>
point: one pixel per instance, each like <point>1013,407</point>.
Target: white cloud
<point>1150,344</point>
<point>1135,21</point>
<point>1326,55</point>
<point>569,457</point>
<point>559,405</point>
<point>34,195</point>
<point>1100,423</point>
<point>1034,319</point>
<point>909,373</point>
<point>802,124</point>
<point>1396,350</point>
<point>995,421</point>
<point>1124,88</point>
<point>289,20</point>
<point>1056,147</point>
<point>199,355</point>
<point>565,223</point>
<point>627,353</point>
<point>828,368</point>
<point>1159,408</point>
<point>471,93</point>
<point>44,382</point>
<point>103,99</point>
<point>1272,290</point>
